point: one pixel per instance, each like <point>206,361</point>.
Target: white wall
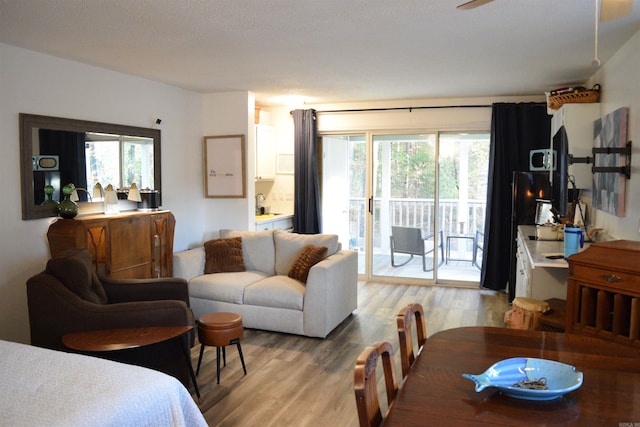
<point>40,84</point>
<point>620,81</point>
<point>230,113</point>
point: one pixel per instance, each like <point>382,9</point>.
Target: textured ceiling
<point>326,50</point>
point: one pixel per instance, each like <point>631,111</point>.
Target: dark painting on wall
<point>609,187</point>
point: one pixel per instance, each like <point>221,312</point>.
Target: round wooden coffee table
<point>105,340</point>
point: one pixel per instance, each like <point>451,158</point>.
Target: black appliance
<point>527,188</point>
<point>150,200</point>
<point>560,178</point>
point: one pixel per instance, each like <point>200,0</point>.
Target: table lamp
<point>134,193</point>
<point>110,201</point>
<point>98,191</point>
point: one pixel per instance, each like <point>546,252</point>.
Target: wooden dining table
<point>435,393</point>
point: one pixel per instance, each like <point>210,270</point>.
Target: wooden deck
<point>448,272</point>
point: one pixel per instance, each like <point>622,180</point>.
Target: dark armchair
<point>409,240</point>
<point>70,297</point>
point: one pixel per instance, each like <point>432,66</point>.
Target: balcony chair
<point>405,320</point>
<point>409,240</point>
<point>68,296</point>
<point>365,384</point>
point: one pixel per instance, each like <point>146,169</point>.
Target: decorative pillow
<point>309,256</point>
<point>289,245</point>
<point>223,256</point>
<point>74,269</point>
<point>257,249</point>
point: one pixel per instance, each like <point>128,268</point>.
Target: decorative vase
<point>48,191</point>
<point>67,208</point>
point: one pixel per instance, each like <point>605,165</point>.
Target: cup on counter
<point>573,240</point>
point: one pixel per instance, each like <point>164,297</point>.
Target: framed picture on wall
<point>610,131</point>
<point>224,166</point>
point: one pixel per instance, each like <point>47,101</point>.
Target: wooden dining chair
<point>365,384</point>
<point>405,320</point>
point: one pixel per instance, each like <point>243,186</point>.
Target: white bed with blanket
<point>43,387</point>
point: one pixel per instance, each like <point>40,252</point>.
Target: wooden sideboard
<point>603,297</point>
<point>130,245</point>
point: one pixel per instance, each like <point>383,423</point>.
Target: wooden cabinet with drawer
<point>603,297</point>
<point>129,245</point>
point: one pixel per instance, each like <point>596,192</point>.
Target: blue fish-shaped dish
<point>560,378</point>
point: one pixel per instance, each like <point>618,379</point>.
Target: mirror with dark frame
<point>57,151</point>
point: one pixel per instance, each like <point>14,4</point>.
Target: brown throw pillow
<point>223,256</point>
<point>309,256</point>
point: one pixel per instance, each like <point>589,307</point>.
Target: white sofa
<point>264,295</point>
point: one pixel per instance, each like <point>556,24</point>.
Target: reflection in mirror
<point>120,160</point>
<point>56,152</point>
<point>88,159</point>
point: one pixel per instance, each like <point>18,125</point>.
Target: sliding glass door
<point>405,241</point>
<point>344,191</point>
<point>412,205</point>
<point>463,160</point>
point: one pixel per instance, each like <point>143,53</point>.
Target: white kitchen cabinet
<point>523,272</point>
<point>261,226</point>
<point>283,222</point>
<point>266,152</point>
<point>577,120</point>
<point>537,276</point>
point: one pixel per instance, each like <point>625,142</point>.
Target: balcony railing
<point>419,213</point>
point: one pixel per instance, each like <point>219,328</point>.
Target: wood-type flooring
<point>300,381</point>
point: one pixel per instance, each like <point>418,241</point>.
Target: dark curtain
<point>515,130</point>
<point>70,146</point>
<point>306,205</point>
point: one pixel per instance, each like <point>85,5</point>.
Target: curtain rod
<point>362,110</point>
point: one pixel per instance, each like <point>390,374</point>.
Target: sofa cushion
<point>257,249</point>
<point>276,292</point>
<point>289,245</point>
<point>309,256</point>
<point>224,287</point>
<point>75,270</point>
<point>223,255</point>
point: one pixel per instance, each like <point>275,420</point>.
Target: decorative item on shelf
<point>149,200</point>
<point>67,208</point>
<point>98,192</point>
<point>134,193</point>
<point>122,193</point>
<point>48,191</point>
<point>572,95</point>
<point>110,201</point>
<point>74,194</point>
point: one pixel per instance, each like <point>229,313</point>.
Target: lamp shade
<point>74,193</point>
<point>110,196</point>
<point>134,193</point>
<point>98,191</point>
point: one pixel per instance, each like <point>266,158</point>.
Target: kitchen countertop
<point>538,250</point>
<point>261,219</point>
